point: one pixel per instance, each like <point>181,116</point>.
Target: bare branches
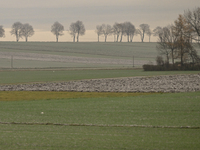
<point>2,31</point>
<point>77,29</point>
<point>193,18</point>
<point>26,31</point>
<point>99,31</point>
<point>16,27</point>
<point>158,31</point>
<point>106,30</point>
<point>129,30</point>
<point>57,29</point>
<point>142,31</point>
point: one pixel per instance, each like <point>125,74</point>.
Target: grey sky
<point>42,13</point>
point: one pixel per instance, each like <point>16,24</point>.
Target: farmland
<point>149,121</point>
<point>76,55</point>
<point>94,120</point>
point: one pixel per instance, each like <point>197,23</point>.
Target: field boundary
<point>99,125</point>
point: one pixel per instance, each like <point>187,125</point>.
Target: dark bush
<point>159,60</point>
<point>170,67</point>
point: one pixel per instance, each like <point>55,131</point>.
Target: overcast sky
<point>41,14</point>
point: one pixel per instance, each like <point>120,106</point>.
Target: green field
<point>142,52</point>
<point>159,121</point>
<point>27,76</point>
<point>91,121</point>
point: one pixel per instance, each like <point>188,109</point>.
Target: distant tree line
<point>19,30</point>
<point>175,42</point>
<point>120,30</point>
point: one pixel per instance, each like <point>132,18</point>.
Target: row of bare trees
<point>19,30</point>
<point>123,29</point>
<point>75,30</point>
<point>175,41</point>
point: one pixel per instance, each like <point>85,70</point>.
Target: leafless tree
<point>76,29</point>
<point>158,31</point>
<point>57,29</point>
<point>2,31</point>
<point>16,27</point>
<point>26,31</point>
<point>193,18</point>
<point>122,30</point>
<point>117,30</point>
<point>99,31</point>
<point>129,30</point>
<point>106,30</point>
<point>149,33</point>
<point>142,31</point>
<point>80,29</point>
<point>167,44</point>
<point>132,33</point>
<point>72,31</point>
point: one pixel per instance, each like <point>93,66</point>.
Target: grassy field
<point>27,76</point>
<point>77,120</point>
<point>142,52</point>
<point>158,120</point>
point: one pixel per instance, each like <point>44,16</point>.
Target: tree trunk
<point>26,39</point>
<point>17,39</point>
<point>98,38</point>
<point>105,37</point>
<point>127,38</point>
<point>143,37</point>
<point>117,37</point>
<point>121,37</point>
<point>173,57</point>
<point>56,38</point>
<point>77,37</point>
<point>74,38</point>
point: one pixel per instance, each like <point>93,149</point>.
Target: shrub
<point>170,67</point>
<point>159,60</point>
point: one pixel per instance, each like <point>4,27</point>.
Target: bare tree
<point>106,30</point>
<point>149,33</point>
<point>122,30</point>
<point>76,29</point>
<point>167,44</point>
<point>80,29</point>
<point>2,31</point>
<point>57,29</point>
<point>72,31</point>
<point>16,27</point>
<point>193,18</point>
<point>129,30</point>
<point>117,30</point>
<point>182,30</point>
<point>158,31</point>
<point>142,30</point>
<point>132,33</point>
<point>26,31</point>
<point>99,31</point>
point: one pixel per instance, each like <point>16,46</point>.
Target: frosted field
<point>77,55</point>
<point>88,54</point>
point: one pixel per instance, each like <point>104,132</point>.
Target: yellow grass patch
<point>47,95</point>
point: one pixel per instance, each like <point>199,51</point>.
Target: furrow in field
<point>58,58</point>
